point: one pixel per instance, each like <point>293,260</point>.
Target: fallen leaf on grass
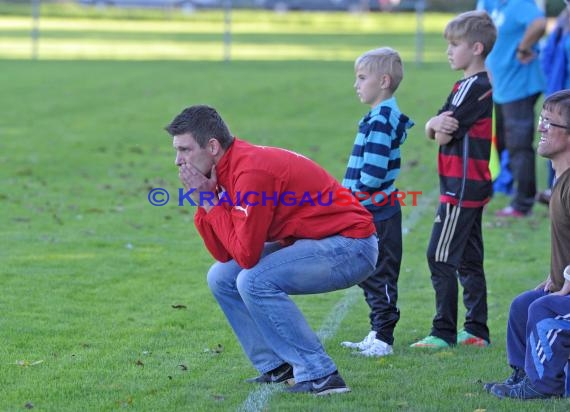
<point>384,362</point>
<point>24,172</point>
<point>125,402</point>
<point>218,349</point>
<point>178,306</point>
<point>25,363</point>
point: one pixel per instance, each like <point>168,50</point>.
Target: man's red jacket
<point>272,194</point>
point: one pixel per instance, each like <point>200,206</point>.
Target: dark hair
<point>204,123</point>
<point>559,102</point>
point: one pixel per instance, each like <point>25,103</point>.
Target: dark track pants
<point>456,251</point>
<point>381,288</point>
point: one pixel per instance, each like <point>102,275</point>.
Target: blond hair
<point>473,27</point>
<point>383,60</point>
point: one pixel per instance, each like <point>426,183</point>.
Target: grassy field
<point>104,303</point>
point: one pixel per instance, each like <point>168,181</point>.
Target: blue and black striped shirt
<point>374,163</point>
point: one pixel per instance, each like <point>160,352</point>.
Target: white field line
<point>258,398</point>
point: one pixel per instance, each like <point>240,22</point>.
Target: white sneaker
<point>377,349</point>
<point>364,344</point>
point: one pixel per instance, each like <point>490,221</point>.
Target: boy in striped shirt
<point>462,128</point>
<point>373,167</point>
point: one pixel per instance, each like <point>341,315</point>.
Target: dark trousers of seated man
<point>538,339</point>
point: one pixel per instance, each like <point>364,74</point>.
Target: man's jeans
<point>270,327</point>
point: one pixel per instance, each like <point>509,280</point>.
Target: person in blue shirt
<point>373,167</point>
<point>518,82</point>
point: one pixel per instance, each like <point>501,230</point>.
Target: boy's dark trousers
<point>381,288</point>
<point>456,251</point>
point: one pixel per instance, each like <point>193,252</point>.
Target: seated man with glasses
<point>538,329</point>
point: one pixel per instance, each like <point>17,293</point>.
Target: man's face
<point>188,152</point>
<point>554,135</point>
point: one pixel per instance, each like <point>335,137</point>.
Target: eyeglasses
<point>546,124</point>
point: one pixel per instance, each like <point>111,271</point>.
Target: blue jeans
<point>269,326</point>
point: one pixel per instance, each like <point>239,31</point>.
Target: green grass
<point>90,271</point>
<point>200,36</point>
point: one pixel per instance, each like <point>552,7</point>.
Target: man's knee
<point>247,283</point>
<point>520,305</point>
<point>219,275</point>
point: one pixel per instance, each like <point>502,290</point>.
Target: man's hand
<point>546,285</point>
<point>565,289</point>
<point>191,178</point>
<point>525,56</point>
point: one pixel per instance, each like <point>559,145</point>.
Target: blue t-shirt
<point>555,55</point>
<point>511,79</point>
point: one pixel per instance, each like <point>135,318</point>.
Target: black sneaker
<point>516,377</point>
<point>322,386</point>
<point>522,390</point>
<point>279,374</point>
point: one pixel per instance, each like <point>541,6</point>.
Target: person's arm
<point>379,135</point>
<point>566,287</point>
<point>532,35</point>
<point>242,230</point>
<point>441,127</point>
<point>545,285</point>
<point>193,180</point>
<point>213,244</point>
<point>442,138</point>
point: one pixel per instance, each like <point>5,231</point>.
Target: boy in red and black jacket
<point>463,129</point>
